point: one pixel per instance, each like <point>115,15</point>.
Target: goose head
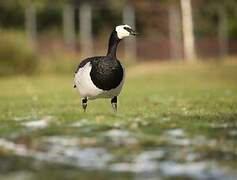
<point>124,31</point>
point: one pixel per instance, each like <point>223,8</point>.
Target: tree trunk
<point>130,43</point>
<point>188,35</point>
<point>175,32</point>
<point>86,42</point>
<point>69,26</point>
<point>30,23</point>
<point>223,32</point>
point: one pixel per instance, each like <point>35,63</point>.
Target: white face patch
<point>121,32</point>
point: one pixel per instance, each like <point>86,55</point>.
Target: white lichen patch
<point>10,146</point>
<point>221,125</point>
<point>70,151</point>
<point>134,167</point>
<point>144,162</point>
<point>62,152</point>
<point>194,170</point>
<point>151,155</point>
<point>176,137</point>
<point>116,133</point>
<point>137,122</point>
<point>61,140</point>
<point>176,133</point>
<point>120,137</point>
<point>93,157</point>
<point>38,124</point>
<point>80,123</point>
<point>233,132</point>
<point>164,119</point>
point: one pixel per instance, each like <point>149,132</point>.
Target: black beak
<point>131,31</point>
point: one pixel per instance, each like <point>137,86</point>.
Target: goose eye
<point>127,29</point>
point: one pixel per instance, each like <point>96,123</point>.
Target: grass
<point>199,99</point>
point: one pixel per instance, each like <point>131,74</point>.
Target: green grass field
<point>174,121</point>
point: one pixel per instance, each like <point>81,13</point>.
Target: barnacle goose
<point>103,76</point>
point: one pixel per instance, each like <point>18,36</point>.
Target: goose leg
<point>114,103</point>
<point>84,104</point>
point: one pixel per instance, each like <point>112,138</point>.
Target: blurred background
<point>53,35</point>
<point>176,117</point>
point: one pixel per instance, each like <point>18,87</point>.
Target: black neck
<point>113,43</point>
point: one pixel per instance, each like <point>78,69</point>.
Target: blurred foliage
<point>59,62</point>
<point>206,16</point>
<point>16,55</point>
<point>37,3</point>
<point>49,19</point>
<point>11,16</point>
<point>109,12</point>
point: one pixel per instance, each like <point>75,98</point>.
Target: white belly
<point>86,87</point>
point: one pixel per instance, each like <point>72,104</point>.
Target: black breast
<point>106,74</point>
